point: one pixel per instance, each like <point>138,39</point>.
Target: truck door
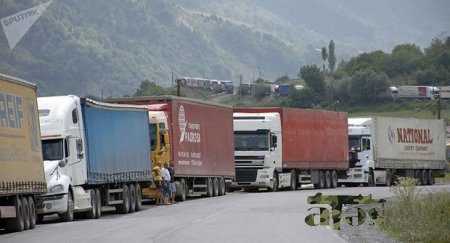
<point>366,150</point>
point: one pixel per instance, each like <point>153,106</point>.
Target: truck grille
<point>246,174</point>
<point>249,160</point>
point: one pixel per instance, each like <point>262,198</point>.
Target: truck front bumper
<point>254,177</point>
<point>49,204</point>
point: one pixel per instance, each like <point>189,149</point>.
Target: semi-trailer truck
<point>284,147</point>
<point>200,142</point>
<point>21,168</point>
<point>383,148</point>
<point>95,154</point>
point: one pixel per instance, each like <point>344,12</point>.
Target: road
<point>237,217</point>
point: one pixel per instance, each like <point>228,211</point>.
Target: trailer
<point>21,168</point>
<point>200,143</point>
<point>284,147</point>
<point>95,154</point>
<point>383,148</point>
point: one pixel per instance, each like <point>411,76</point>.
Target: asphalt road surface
<point>236,217</point>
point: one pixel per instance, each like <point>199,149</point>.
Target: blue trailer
<point>101,153</point>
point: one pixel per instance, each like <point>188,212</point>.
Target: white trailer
<point>383,148</point>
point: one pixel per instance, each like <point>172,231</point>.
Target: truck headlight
<point>57,188</point>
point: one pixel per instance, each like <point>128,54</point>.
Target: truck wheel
<point>92,213</point>
<point>138,206</point>
<point>26,213</point>
<point>293,186</point>
<point>216,187</point>
<point>327,179</point>
<point>183,190</point>
<point>98,199</point>
<point>431,180</point>
<point>334,179</point>
<point>124,207</point>
<point>222,189</point>
<point>132,206</point>
<point>209,187</point>
<point>32,208</point>
<point>68,215</point>
<point>275,182</point>
<point>16,224</point>
<point>321,183</point>
<point>371,179</point>
<point>388,177</point>
<point>418,176</point>
<point>424,178</point>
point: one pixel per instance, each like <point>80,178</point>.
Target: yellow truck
<point>21,166</point>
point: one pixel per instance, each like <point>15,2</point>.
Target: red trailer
<point>201,142</point>
<point>304,146</point>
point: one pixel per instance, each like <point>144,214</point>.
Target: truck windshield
<point>153,137</point>
<point>52,149</point>
<point>354,143</point>
<point>244,141</point>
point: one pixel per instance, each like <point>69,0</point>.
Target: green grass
<point>444,179</point>
<point>416,217</point>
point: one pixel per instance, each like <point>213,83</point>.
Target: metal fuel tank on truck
<point>21,168</point>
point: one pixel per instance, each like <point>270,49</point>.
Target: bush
<point>417,218</point>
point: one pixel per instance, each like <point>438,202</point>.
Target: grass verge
<point>444,179</point>
<point>417,217</point>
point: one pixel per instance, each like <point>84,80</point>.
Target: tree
<point>324,56</point>
<point>149,88</point>
<point>331,57</point>
<point>368,86</point>
<point>283,79</point>
<point>313,78</point>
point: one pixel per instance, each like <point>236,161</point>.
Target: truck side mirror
<point>79,145</point>
<point>166,139</point>
<point>274,140</point>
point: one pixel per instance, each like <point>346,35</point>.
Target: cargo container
<point>95,154</point>
<point>21,167</point>
<point>415,92</point>
<point>285,147</point>
<point>384,148</point>
<point>200,144</point>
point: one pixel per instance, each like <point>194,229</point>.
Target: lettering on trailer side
<point>11,111</point>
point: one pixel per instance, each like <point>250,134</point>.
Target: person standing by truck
<point>156,173</point>
<point>173,190</point>
<point>166,181</point>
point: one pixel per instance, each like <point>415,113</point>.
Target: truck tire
<point>124,207</point>
<point>371,179</point>
<point>431,180</point>
<point>184,189</point>
<point>222,189</point>
<point>26,213</point>
<point>334,179</point>
<point>293,186</point>
<point>68,215</point>
<point>275,182</point>
<point>16,224</point>
<point>132,206</point>
<point>388,177</point>
<point>98,199</point>
<point>321,183</point>
<point>418,176</point>
<point>327,179</point>
<point>138,206</point>
<point>216,187</point>
<point>32,207</point>
<point>92,213</point>
<point>424,178</point>
<point>209,187</point>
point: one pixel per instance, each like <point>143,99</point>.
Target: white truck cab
<point>258,156</point>
<point>64,158</point>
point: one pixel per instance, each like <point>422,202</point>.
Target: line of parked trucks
<point>70,156</point>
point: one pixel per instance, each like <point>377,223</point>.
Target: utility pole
<point>240,85</point>
<point>178,87</point>
<point>172,76</point>
<point>259,68</point>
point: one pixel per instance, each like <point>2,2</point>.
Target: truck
<point>384,148</point>
<point>278,148</point>
<point>95,154</point>
<point>415,92</point>
<point>199,142</point>
<point>21,166</point>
